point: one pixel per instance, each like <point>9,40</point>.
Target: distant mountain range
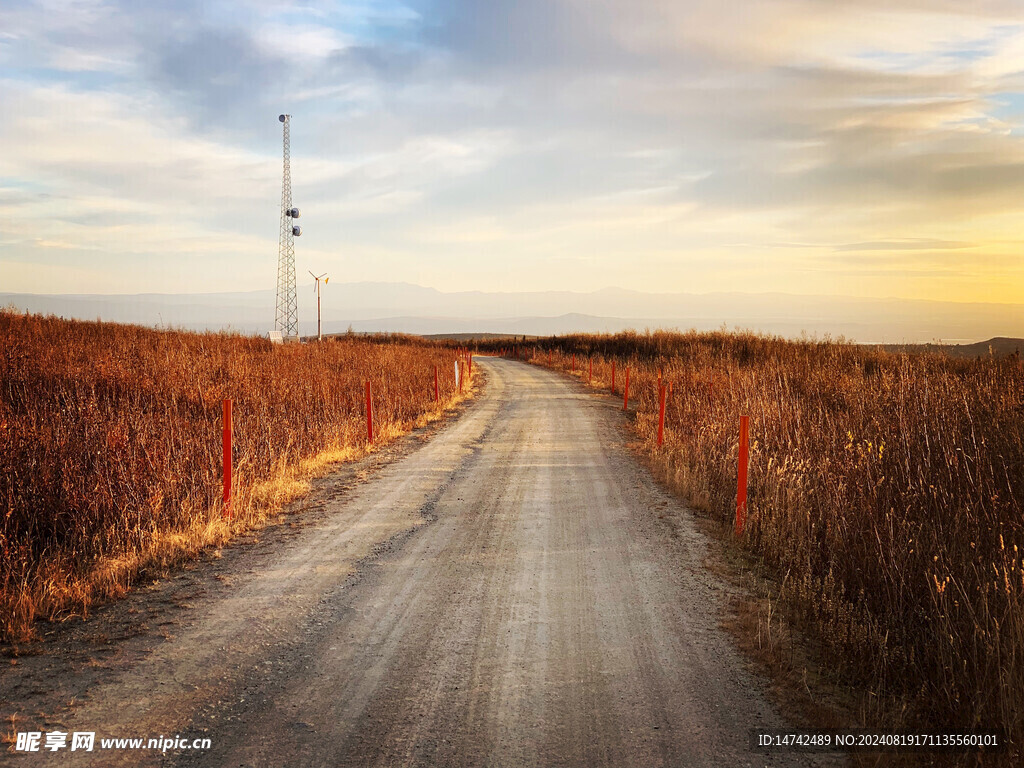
<point>998,347</point>
<point>414,309</point>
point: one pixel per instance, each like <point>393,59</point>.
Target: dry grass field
<point>111,434</point>
<point>886,494</point>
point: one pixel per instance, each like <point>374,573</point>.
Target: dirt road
<point>514,592</point>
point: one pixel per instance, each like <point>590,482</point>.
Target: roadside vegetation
<point>886,494</point>
<point>111,435</point>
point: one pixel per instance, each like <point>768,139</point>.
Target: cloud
<point>918,244</point>
<point>434,138</point>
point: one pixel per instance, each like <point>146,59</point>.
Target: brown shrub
<point>888,488</point>
<point>111,454</point>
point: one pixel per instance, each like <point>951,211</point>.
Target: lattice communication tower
<point>287,323</point>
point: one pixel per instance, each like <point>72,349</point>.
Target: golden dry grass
<point>112,444</point>
<point>886,492</point>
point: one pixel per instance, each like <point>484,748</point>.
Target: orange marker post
<point>369,413</point>
<point>661,414</point>
<point>227,439</point>
<point>625,397</point>
<point>437,389</point>
<point>741,479</point>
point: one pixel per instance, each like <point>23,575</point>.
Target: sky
<point>859,148</point>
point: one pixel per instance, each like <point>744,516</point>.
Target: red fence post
<point>461,377</point>
<point>469,370</point>
<point>661,414</point>
<point>369,413</point>
<point>227,438</point>
<point>437,389</point>
<point>625,397</point>
<point>741,479</point>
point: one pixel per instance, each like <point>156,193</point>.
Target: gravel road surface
<point>515,591</point>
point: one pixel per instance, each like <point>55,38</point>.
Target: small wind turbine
<point>318,278</point>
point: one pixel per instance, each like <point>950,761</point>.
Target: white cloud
<point>456,137</point>
<point>303,43</point>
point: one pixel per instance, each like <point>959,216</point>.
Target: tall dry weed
<point>889,487</point>
<point>111,455</point>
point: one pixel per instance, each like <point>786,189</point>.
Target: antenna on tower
<point>287,323</point>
